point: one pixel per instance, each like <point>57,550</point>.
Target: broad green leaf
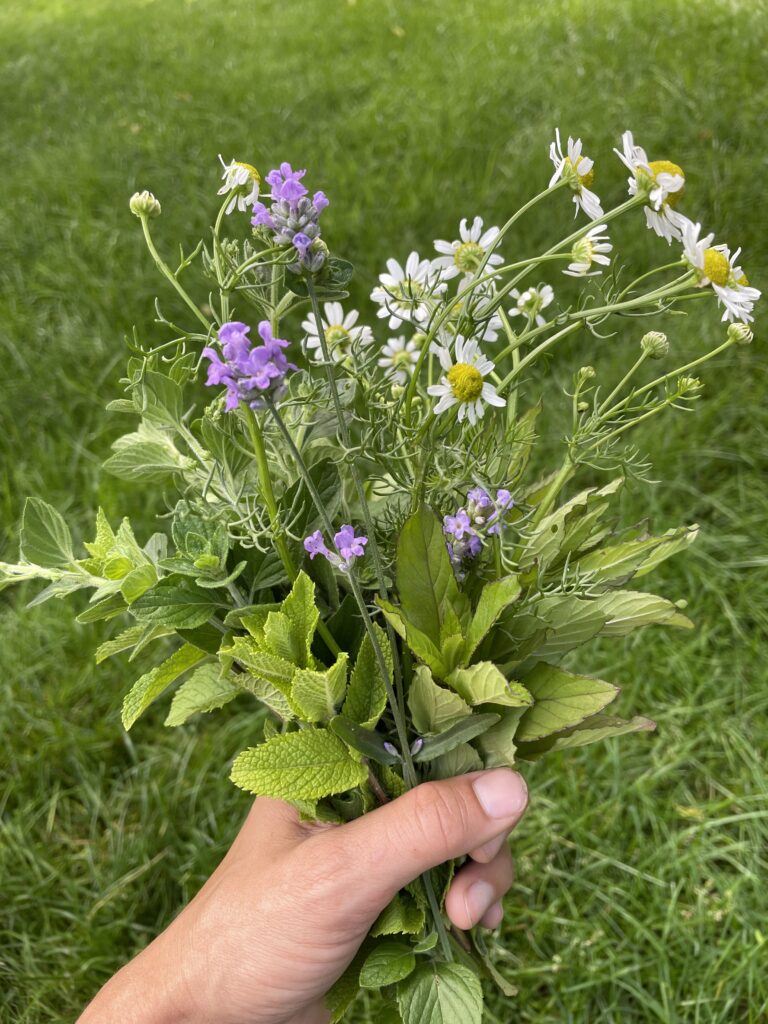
<point>401,916</point>
<point>305,765</point>
<point>626,610</point>
<point>425,579</point>
<point>149,686</point>
<point>106,608</point>
<point>460,732</point>
<point>483,683</point>
<point>441,993</point>
<point>45,537</point>
<point>157,397</point>
<point>269,695</point>
<point>366,741</point>
<point>494,599</point>
<point>567,528</point>
<point>207,637</point>
<point>459,761</point>
<point>318,695</point>
<point>274,670</point>
<point>104,540</point>
<point>205,690</point>
<point>389,963</point>
<point>367,694</point>
<point>67,584</point>
<point>433,708</point>
<point>598,727</point>
<point>497,746</point>
<point>116,567</point>
<point>636,557</point>
<point>282,639</point>
<point>301,613</point>
<point>561,700</point>
<point>138,581</point>
<point>569,622</point>
<point>173,604</point>
<point>253,618</point>
<point>124,641</point>
<point>146,461</point>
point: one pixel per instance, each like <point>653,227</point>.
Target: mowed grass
<point>641,864</point>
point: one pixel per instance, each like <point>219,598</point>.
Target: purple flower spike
<point>293,217</point>
<point>286,183</point>
<point>348,546</point>
<point>248,371</point>
<point>471,526</point>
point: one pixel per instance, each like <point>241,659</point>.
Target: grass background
<point>639,895</point>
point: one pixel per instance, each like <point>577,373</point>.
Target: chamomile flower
<point>531,302</point>
<point>588,250</point>
<point>715,265</point>
<point>342,335</point>
<point>465,255</point>
<point>462,383</point>
<point>398,358</point>
<point>660,181</point>
<point>243,181</point>
<point>404,293</point>
<point>577,170</point>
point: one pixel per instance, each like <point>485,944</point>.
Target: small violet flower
<point>467,529</point>
<point>249,372</point>
<point>293,217</point>
<point>348,547</point>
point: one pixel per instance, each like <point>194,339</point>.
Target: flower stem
<point>166,271</point>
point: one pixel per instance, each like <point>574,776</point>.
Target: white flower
<point>478,310</point>
<point>244,179</point>
<point>405,292</point>
<point>577,170</point>
<point>715,265</point>
<point>531,303</point>
<point>465,255</point>
<point>462,383</point>
<point>589,250</point>
<point>341,334</point>
<point>398,359</point>
<point>660,181</point>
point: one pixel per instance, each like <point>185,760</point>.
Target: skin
<point>286,910</point>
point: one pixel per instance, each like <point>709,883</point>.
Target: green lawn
<point>639,893</point>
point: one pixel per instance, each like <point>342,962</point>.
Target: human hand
<point>285,912</point>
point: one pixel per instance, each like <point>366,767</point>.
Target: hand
<point>287,909</point>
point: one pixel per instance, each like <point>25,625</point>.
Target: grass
<point>639,893</point>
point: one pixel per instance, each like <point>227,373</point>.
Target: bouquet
<point>364,548</point>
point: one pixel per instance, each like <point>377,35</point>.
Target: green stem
<point>624,380</point>
<point>565,472</point>
<point>166,271</point>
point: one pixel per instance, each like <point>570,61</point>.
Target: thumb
<point>432,823</point>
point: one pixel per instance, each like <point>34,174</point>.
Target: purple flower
<point>479,498</point>
<point>456,526</point>
<point>249,372</point>
<point>286,183</point>
<point>262,217</point>
<point>293,217</point>
<point>348,546</point>
<point>302,243</point>
<point>320,201</point>
<point>471,525</point>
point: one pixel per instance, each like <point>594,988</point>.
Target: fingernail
<point>502,793</point>
<point>493,917</point>
<point>479,899</point>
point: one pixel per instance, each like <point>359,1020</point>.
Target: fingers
<point>476,892</point>
<point>432,823</point>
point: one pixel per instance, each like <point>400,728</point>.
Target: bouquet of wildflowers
<point>362,547</point>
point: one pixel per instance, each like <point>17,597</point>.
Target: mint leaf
<point>272,669</point>
<point>149,686</point>
<point>304,765</point>
<point>367,695</point>
<point>45,537</point>
<point>433,708</point>
<point>483,683</point>
<point>441,993</point>
<point>317,695</point>
<point>562,700</point>
<point>498,746</point>
<point>205,690</point>
<point>494,599</point>
<point>401,916</point>
<point>171,604</point>
<point>301,614</point>
<point>390,962</point>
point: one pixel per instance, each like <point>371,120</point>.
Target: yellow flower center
<point>336,335</point>
<point>743,281</point>
<point>466,382</point>
<point>583,251</point>
<point>667,167</point>
<point>574,176</point>
<point>468,256</point>
<point>251,170</point>
<point>716,267</point>
<point>409,291</point>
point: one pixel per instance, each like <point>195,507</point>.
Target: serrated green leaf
<point>272,669</point>
<point>301,613</point>
<point>138,582</point>
<point>148,687</point>
<point>401,916</point>
<point>483,683</point>
<point>561,700</point>
<point>280,638</point>
<point>425,579</point>
<point>45,537</point>
<point>205,690</point>
<point>305,765</point>
<point>174,604</point>
<point>124,641</point>
<point>253,618</point>
<point>433,708</point>
<point>494,599</point>
<point>106,608</point>
<point>568,621</point>
<point>565,529</point>
<point>441,993</point>
<point>318,695</point>
<point>116,567</point>
<point>389,963</point>
<point>460,732</point>
<point>367,694</point>
<point>269,695</point>
<point>104,540</point>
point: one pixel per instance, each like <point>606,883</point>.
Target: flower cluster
<point>473,523</point>
<point>293,218</point>
<point>250,372</point>
<point>348,547</point>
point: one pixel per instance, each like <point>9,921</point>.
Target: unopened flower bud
<point>654,344</point>
<point>419,338</point>
<point>144,204</point>
<point>740,334</point>
<point>584,374</point>
<point>582,407</point>
<point>688,385</point>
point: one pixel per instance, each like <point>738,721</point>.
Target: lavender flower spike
<point>250,372</point>
<point>348,547</point>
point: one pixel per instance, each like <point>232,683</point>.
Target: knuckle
<point>441,818</point>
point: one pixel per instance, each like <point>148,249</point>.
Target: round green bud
<point>584,374</point>
<point>144,204</point>
<point>419,338</point>
<point>654,344</point>
<point>582,407</point>
<point>740,334</point>
<point>688,385</point>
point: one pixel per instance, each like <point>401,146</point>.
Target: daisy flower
<point>715,265</point>
<point>531,302</point>
<point>404,293</point>
<point>577,170</point>
<point>398,358</point>
<point>341,334</point>
<point>462,383</point>
<point>465,255</point>
<point>660,181</point>
<point>588,250</point>
<point>243,181</point>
